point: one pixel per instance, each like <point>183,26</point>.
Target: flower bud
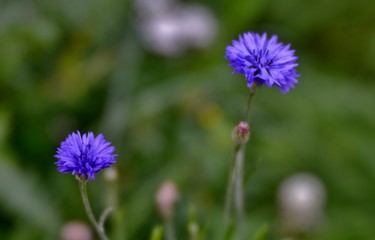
<point>76,231</point>
<point>166,197</point>
<point>110,174</point>
<point>241,133</point>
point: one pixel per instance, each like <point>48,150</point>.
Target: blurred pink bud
<point>241,133</point>
<point>166,197</point>
<point>76,231</point>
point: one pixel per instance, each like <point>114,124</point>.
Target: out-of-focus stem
<point>229,194</point>
<point>86,203</point>
<point>169,229</point>
<point>235,183</point>
<point>252,91</point>
<point>104,217</point>
<point>238,194</point>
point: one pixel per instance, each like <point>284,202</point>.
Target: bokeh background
<point>151,76</point>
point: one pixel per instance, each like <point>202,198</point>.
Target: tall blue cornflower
<point>84,155</point>
<point>263,61</point>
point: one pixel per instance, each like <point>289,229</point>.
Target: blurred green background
<point>96,66</point>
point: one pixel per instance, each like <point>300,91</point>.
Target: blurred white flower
<point>171,28</point>
<point>301,198</point>
<point>197,25</point>
<point>162,36</point>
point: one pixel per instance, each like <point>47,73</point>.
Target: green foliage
<point>261,233</point>
<point>157,233</point>
<point>68,65</point>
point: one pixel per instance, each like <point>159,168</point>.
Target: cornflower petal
<point>263,61</point>
<point>84,155</point>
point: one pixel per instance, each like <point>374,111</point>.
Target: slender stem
<point>98,229</point>
<point>238,195</point>
<point>229,196</point>
<point>169,229</point>
<point>236,175</point>
<point>104,216</point>
<point>252,91</point>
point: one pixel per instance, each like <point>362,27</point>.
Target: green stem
<point>235,183</point>
<point>238,194</point>
<point>104,216</point>
<point>169,229</point>
<point>229,194</point>
<point>83,190</point>
<point>252,91</point>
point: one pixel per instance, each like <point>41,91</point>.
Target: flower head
<point>84,155</point>
<point>263,61</point>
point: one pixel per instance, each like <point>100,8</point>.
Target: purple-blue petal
<point>84,155</point>
<point>265,61</point>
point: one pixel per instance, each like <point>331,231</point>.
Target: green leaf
<point>22,195</point>
<point>157,233</point>
<point>261,233</point>
<point>229,232</point>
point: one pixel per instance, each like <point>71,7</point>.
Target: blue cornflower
<point>84,155</point>
<point>263,61</point>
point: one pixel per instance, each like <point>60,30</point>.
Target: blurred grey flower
<point>197,25</point>
<point>301,198</point>
<point>171,28</point>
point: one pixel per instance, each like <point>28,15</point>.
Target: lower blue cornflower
<point>84,155</point>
